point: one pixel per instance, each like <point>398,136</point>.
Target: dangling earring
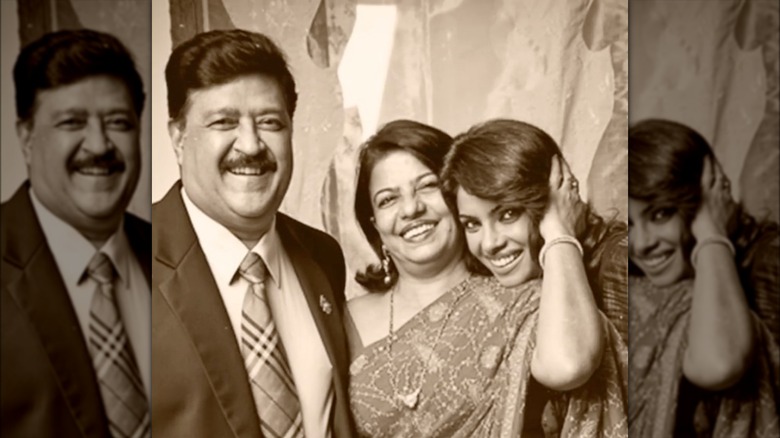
<point>386,265</point>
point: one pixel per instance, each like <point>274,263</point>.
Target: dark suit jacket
<point>47,383</point>
<point>200,383</point>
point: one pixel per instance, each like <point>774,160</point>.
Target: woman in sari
<point>704,285</point>
<point>440,351</point>
<point>503,178</point>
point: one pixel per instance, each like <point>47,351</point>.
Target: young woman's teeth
<point>655,261</point>
<point>417,231</point>
<point>503,261</point>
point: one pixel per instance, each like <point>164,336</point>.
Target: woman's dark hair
<point>508,162</point>
<point>69,56</point>
<point>427,144</point>
<point>220,56</point>
<point>665,164</point>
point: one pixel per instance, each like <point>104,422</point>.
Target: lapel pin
<point>325,305</point>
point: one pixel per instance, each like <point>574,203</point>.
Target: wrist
<point>711,240</point>
<point>564,238</point>
<point>553,232</point>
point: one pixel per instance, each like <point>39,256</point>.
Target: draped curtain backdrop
<point>24,21</point>
<point>713,65</point>
<point>561,65</point>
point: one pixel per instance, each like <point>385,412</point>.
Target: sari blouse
<point>474,380</point>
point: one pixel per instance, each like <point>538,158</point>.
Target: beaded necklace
<point>410,397</point>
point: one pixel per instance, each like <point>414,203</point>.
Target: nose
<point>96,139</point>
<point>412,207</point>
<point>641,239</point>
<point>492,240</point>
<point>248,141</point>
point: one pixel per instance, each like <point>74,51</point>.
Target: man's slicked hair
<point>220,56</point>
<point>69,56</point>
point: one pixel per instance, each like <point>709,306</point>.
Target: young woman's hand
<point>564,206</point>
<point>717,205</point>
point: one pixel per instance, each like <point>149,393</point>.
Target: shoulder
<point>488,289</point>
<point>367,304</point>
<point>615,242</point>
<point>305,233</point>
<point>370,315</point>
<point>319,244</point>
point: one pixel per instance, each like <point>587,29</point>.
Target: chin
<point>664,280</point>
<point>251,207</point>
<point>513,279</point>
<point>102,210</point>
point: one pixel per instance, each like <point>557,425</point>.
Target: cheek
<point>53,151</point>
<point>439,208</point>
<point>204,152</point>
<point>671,232</point>
<point>383,221</point>
<point>520,231</point>
<point>473,241</point>
<point>128,145</point>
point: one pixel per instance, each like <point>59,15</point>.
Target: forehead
<point>396,168</point>
<point>251,93</point>
<point>98,93</point>
<point>471,205</point>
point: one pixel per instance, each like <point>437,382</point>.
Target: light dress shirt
<point>73,252</point>
<point>311,369</point>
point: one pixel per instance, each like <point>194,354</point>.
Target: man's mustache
<point>262,162</point>
<point>109,161</point>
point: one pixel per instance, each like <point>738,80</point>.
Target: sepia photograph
<point>390,218</point>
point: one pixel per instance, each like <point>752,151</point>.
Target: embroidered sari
<point>474,381</point>
<point>663,403</point>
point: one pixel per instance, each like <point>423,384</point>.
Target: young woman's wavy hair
<point>665,165</point>
<point>508,162</point>
<point>426,143</point>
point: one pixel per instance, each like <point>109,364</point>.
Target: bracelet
<point>709,240</point>
<point>557,240</point>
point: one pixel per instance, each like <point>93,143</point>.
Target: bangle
<point>557,240</point>
<point>709,240</point>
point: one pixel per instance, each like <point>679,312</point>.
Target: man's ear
<point>24,132</point>
<point>176,132</point>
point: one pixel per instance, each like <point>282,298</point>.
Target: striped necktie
<point>123,395</point>
<point>273,388</point>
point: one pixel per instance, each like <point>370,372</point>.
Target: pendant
<point>410,400</point>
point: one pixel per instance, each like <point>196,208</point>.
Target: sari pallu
<point>476,376</point>
<point>658,408</point>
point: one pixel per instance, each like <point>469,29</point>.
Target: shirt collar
<point>221,244</point>
<point>73,252</point>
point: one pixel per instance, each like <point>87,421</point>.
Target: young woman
<point>704,285</point>
<point>503,166</point>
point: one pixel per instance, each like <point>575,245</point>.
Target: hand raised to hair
<point>564,206</point>
<point>716,206</point>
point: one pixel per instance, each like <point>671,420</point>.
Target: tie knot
<point>252,268</point>
<point>101,269</point>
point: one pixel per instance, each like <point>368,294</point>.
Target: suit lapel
<point>193,296</point>
<point>139,237</point>
<point>38,289</point>
<point>316,287</point>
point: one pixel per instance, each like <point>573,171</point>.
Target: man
<point>248,302</point>
<point>76,299</point>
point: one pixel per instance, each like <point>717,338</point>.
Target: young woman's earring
<point>386,264</point>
